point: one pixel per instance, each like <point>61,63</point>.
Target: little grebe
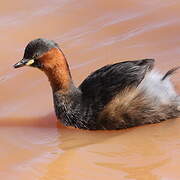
<point>116,96</point>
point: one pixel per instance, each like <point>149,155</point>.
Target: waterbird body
<point>116,96</point>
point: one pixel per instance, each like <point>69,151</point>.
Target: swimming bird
<point>116,96</point>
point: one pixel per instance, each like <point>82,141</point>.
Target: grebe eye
<point>35,56</point>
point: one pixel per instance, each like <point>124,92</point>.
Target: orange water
<point>34,146</point>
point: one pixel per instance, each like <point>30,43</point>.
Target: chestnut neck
<point>57,70</point>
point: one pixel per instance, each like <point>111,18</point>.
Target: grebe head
<point>34,51</point>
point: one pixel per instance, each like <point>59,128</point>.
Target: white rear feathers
<point>162,91</point>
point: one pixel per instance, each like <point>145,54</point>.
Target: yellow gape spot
<point>30,62</point>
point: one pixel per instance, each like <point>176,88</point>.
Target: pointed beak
<point>24,62</point>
